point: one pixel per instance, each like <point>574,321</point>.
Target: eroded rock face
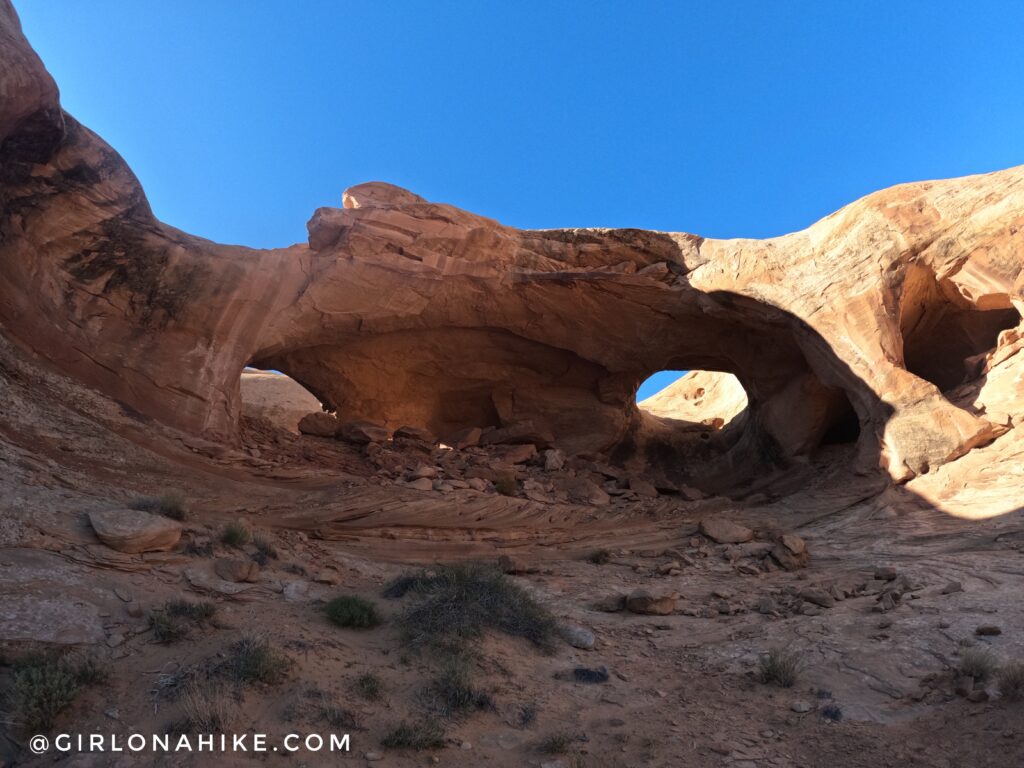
<point>405,312</point>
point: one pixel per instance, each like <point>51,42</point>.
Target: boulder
<point>725,531</point>
<point>132,531</point>
<point>577,637</point>
<point>236,570</point>
<point>519,432</point>
<point>642,487</point>
<point>583,491</point>
<point>362,432</point>
<point>553,459</point>
<point>318,424</point>
<point>643,602</point>
<point>464,438</point>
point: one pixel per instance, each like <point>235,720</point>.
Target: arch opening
<point>275,397</point>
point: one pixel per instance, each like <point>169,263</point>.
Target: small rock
<point>134,610</point>
<point>785,558</point>
<point>588,675</point>
<point>952,588</point>
<point>793,543</point>
<point>977,696</point>
<point>464,438</point>
<point>421,471</point>
<point>642,487</point>
<point>517,454</point>
<point>415,433</point>
<point>800,707</point>
<point>554,459</point>
<point>818,597</point>
<point>643,602</point>
<point>725,531</point>
<point>477,484</point>
<point>466,745</point>
<point>577,637</point>
<point>611,604</point>
<point>988,630</point>
<point>362,432</point>
<point>373,756</point>
<point>886,573</point>
<point>422,484</point>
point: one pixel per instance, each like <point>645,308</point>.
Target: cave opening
<point>945,332</point>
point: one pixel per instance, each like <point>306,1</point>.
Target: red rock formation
<point>408,312</point>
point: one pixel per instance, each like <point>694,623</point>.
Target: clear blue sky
<point>728,119</point>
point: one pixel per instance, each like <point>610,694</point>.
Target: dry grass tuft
<point>780,667</point>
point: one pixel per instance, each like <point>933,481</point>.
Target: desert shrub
<point>235,535</point>
<point>185,609</point>
<point>779,667</point>
<point>406,583</point>
<point>352,612</point>
<point>452,692</point>
<point>977,663</point>
<point>170,504</point>
<point>369,686</point>
<point>1010,682</point>
<point>254,660</point>
<point>44,685</point>
<point>265,549</point>
<point>600,557</point>
<point>422,734</point>
<point>207,709</point>
<point>453,605</point>
<point>556,743</point>
<point>174,621</point>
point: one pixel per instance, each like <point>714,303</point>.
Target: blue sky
<point>728,119</point>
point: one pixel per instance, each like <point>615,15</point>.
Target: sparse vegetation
<point>977,663</point>
<point>254,660</point>
<point>337,716</point>
<point>207,709</point>
<point>369,686</point>
<point>1010,682</point>
<point>265,549</point>
<point>600,557</point>
<point>407,582</point>
<point>452,693</point>
<point>235,535</point>
<point>44,685</point>
<point>454,604</point>
<point>175,620</point>
<point>422,734</point>
<point>555,743</point>
<point>352,612</point>
<point>780,667</point>
<point>171,504</point>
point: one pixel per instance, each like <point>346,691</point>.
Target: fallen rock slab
<point>723,531</point>
<point>318,424</point>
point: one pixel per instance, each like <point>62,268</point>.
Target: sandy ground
<point>876,688</point>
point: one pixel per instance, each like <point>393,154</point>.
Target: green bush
<point>44,685</point>
<point>235,535</point>
<point>253,660</point>
<point>454,604</point>
<point>352,612</point>
<point>423,734</point>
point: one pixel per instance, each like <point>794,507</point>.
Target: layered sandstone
<point>407,312</point>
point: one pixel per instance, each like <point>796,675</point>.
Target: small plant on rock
<point>352,612</point>
<point>779,667</point>
<point>556,743</point>
<point>207,709</point>
<point>600,557</point>
<point>170,504</point>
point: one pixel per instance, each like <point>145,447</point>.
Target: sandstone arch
<point>400,309</point>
